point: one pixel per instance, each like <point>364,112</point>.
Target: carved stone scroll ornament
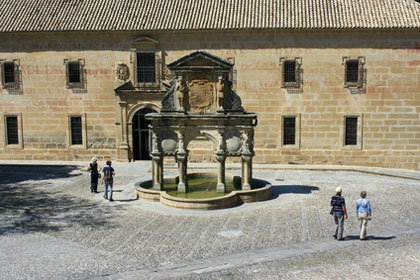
<point>168,74</point>
<point>168,101</point>
<point>122,72</point>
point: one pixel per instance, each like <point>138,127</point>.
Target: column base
<point>157,186</point>
<point>182,188</point>
<point>246,187</point>
<point>221,188</point>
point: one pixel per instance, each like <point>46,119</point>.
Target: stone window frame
<point>20,130</point>
<point>360,85</point>
<point>359,144</point>
<point>79,86</point>
<point>145,44</point>
<point>16,86</point>
<point>84,131</point>
<point>292,87</point>
<point>296,146</point>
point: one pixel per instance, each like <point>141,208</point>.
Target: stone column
<point>157,162</point>
<point>221,158</point>
<point>124,123</point>
<point>182,157</point>
<point>246,156</point>
<point>123,147</point>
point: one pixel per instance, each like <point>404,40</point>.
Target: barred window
<point>9,72</point>
<point>351,131</point>
<point>146,67</point>
<point>76,130</point>
<point>352,71</point>
<point>74,72</point>
<point>289,74</point>
<point>355,73</point>
<point>12,130</point>
<point>289,131</point>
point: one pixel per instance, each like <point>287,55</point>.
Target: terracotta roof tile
<point>149,15</point>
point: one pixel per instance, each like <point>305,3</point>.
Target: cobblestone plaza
<point>52,227</point>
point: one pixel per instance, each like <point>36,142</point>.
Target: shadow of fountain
<point>292,189</point>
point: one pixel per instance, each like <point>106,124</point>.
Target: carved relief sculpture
<point>122,72</point>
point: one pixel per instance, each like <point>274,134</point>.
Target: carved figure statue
<point>220,88</point>
<point>180,90</point>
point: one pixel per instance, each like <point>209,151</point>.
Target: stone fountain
<point>200,101</point>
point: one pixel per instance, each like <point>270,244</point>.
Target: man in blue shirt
<point>108,178</point>
<point>364,213</point>
<point>339,212</point>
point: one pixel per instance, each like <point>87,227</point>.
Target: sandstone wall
<point>389,109</point>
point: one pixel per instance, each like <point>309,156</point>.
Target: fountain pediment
<point>201,86</point>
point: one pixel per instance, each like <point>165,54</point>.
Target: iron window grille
<point>10,74</point>
<point>289,130</point>
<point>76,130</point>
<point>146,69</point>
<point>354,72</point>
<point>351,131</point>
<point>291,72</point>
<point>12,133</point>
<point>75,73</point>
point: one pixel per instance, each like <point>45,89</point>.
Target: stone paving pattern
<point>52,227</point>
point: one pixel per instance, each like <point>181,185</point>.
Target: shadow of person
<point>370,237</point>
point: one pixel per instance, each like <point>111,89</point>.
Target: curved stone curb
<point>230,200</point>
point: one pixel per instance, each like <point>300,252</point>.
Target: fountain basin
<point>261,190</point>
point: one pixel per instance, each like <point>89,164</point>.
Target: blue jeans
<point>108,184</point>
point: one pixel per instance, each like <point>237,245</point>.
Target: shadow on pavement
<point>297,189</point>
<point>26,208</point>
<point>370,237</point>
<point>15,173</point>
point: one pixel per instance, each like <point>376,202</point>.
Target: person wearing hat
<point>364,213</point>
<point>338,210</point>
<point>94,170</point>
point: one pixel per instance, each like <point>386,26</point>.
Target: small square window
<point>12,133</point>
<point>10,74</point>
<point>76,130</point>
<point>354,73</point>
<point>291,74</point>
<point>289,131</point>
<point>75,74</point>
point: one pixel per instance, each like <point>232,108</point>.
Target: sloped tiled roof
<point>148,15</point>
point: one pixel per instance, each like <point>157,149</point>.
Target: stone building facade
<point>323,96</point>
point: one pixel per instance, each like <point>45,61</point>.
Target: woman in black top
<point>94,169</point>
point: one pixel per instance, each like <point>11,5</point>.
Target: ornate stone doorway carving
<point>141,139</point>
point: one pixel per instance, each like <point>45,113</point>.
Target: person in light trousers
<point>364,213</point>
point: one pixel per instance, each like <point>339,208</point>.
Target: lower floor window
<point>76,130</point>
<point>12,130</point>
<point>289,130</point>
<point>351,131</point>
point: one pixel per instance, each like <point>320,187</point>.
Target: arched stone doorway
<point>141,139</point>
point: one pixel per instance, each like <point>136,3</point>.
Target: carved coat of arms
<point>122,72</point>
<point>200,95</point>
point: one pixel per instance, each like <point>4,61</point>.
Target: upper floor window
<point>10,74</point>
<point>354,73</point>
<point>75,74</point>
<point>147,63</point>
<point>291,73</point>
<point>146,67</point>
